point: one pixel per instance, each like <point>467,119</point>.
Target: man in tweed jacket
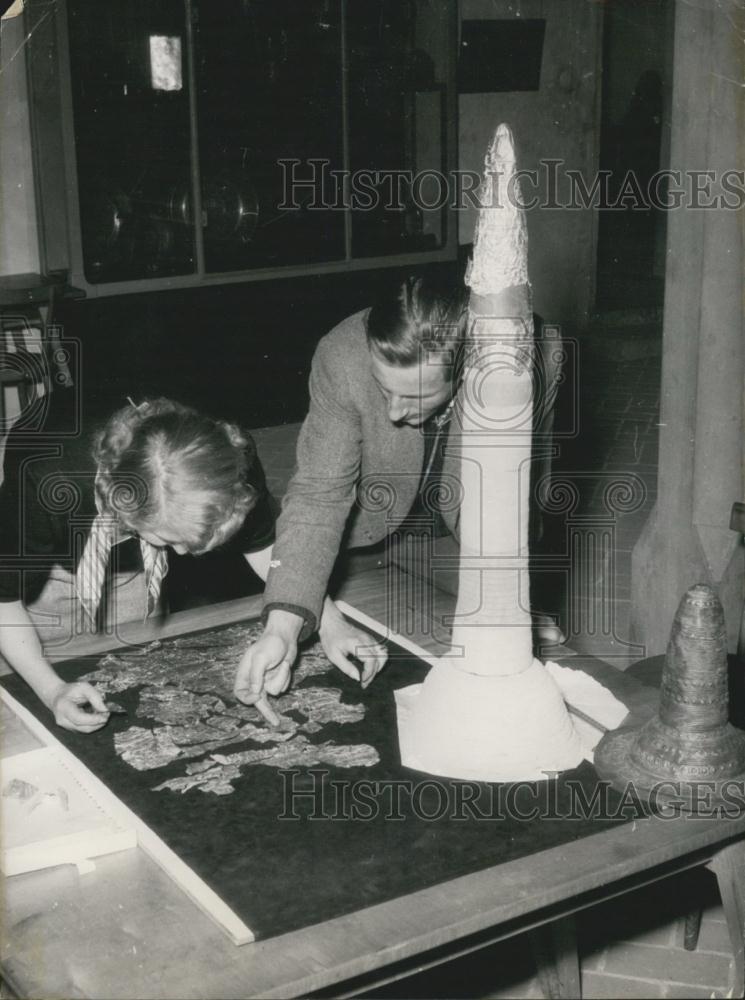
<point>378,380</point>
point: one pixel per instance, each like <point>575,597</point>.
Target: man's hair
<point>165,462</point>
<point>424,315</point>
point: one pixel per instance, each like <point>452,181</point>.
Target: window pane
<point>269,90</point>
<point>397,85</point>
<point>498,56</point>
<point>131,114</point>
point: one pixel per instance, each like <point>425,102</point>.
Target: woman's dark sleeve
<point>10,577</point>
<point>27,541</point>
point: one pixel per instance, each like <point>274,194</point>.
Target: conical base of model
<point>477,727</point>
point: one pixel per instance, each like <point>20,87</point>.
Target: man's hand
<point>67,703</point>
<point>265,666</point>
<point>341,640</point>
<point>545,631</point>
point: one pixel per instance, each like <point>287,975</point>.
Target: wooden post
<point>729,867</point>
<point>554,948</point>
<point>687,539</point>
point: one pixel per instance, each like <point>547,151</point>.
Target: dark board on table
<point>360,828</point>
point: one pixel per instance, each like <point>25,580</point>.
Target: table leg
<point>6,993</point>
<point>554,948</point>
<point>729,867</point>
<point>692,929</point>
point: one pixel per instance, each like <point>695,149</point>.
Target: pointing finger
<point>262,703</point>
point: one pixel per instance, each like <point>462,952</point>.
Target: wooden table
<point>126,930</point>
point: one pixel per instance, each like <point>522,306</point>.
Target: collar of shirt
<point>441,419</point>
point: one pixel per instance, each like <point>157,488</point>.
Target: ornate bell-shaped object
<point>689,753</point>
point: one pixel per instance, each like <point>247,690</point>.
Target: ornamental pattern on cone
<point>690,741</point>
<point>500,253</point>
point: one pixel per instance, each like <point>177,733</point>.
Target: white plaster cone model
<point>488,710</point>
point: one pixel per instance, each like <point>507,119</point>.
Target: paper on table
<point>51,817</point>
<point>592,699</point>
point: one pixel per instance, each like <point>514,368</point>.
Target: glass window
<point>316,133</point>
<point>397,54</point>
<point>132,134</point>
<point>270,131</point>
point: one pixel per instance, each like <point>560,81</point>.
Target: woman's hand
<point>66,703</point>
<point>342,640</point>
<point>20,645</point>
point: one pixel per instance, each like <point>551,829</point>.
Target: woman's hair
<point>162,463</point>
<point>423,315</point>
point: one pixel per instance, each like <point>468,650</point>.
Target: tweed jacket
<point>355,479</point>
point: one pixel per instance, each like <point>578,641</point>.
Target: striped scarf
<point>94,563</point>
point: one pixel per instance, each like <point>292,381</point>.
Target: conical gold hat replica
<point>689,754</point>
<point>488,710</point>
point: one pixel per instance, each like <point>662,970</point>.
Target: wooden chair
<point>23,372</point>
<point>32,362</point>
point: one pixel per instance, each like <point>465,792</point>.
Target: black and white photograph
<point>372,499</point>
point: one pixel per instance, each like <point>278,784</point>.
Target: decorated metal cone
<point>488,710</point>
<point>689,754</point>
